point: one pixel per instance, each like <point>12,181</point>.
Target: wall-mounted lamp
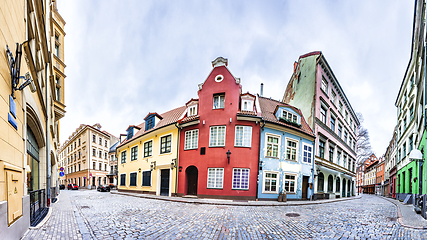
<point>139,170</point>
<point>15,66</point>
<point>173,164</point>
<point>153,166</point>
<point>180,169</point>
<point>203,122</point>
<point>230,119</point>
<point>228,155</point>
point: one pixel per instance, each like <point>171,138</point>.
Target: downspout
<point>47,141</point>
<point>312,169</point>
<point>420,177</point>
<point>259,155</point>
<point>177,159</point>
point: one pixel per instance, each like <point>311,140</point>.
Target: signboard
<point>61,169</point>
<point>61,174</point>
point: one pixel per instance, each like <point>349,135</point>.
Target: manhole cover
<point>222,207</point>
<point>292,214</point>
<point>392,219</point>
<point>84,207</point>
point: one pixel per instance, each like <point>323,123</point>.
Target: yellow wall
<point>163,161</point>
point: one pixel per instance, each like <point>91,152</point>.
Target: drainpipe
<point>177,161</point>
<point>47,139</point>
<point>261,127</point>
<point>313,168</point>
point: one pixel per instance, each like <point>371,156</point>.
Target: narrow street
<point>93,215</point>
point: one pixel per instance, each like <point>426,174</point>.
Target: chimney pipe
<point>262,89</point>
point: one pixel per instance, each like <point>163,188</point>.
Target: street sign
<point>61,174</point>
<point>61,169</point>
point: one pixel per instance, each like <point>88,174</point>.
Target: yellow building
<point>147,156</point>
<point>84,156</point>
<point>29,111</point>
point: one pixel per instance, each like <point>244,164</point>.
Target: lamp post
<point>418,156</point>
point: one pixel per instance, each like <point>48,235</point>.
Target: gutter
<point>177,159</point>
<point>259,156</point>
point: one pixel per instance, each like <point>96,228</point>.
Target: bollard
<point>284,197</point>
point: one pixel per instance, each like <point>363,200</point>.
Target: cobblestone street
<point>112,216</point>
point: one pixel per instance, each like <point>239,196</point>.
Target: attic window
<point>219,78</point>
<point>192,110</point>
<point>247,105</point>
<point>289,116</point>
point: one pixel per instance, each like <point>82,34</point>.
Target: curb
<point>258,204</point>
<point>47,217</point>
<point>399,216</point>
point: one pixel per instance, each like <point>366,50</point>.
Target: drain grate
<point>84,207</point>
<point>392,219</point>
<point>222,207</point>
<point>292,215</point>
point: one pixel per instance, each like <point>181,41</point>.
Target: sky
<point>128,58</point>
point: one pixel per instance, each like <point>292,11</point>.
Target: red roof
<point>268,108</point>
<point>310,54</point>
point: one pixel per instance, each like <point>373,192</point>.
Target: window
<point>57,50</point>
<point>345,161</point>
<point>166,144</point>
<point>105,143</point>
<point>240,178</point>
<point>215,177</point>
<point>321,149</point>
<point>123,157</point>
<point>324,85</point>
<point>323,115</point>
<point>148,148</point>
<point>345,136</point>
<point>289,116</point>
<point>94,165</point>
<point>346,116</point>
<point>291,149</point>
<point>247,105</point>
<point>340,107</point>
<point>123,179</point>
<point>132,181</point>
<point>333,124</point>
<point>338,157</point>
<point>105,167</point>
<point>331,154</point>
<point>93,138</point>
<point>404,149</point>
<point>149,123</point>
<point>243,136</point>
<point>273,143</point>
<point>79,141</point>
<point>270,182</point>
<point>191,139</point>
<point>146,178</point>
<point>192,110</point>
<point>330,183</point>
<point>93,152</point>
<point>100,141</point>
<point>100,166</point>
<point>333,97</point>
<point>217,136</point>
<point>100,154</point>
<point>290,183</point>
<point>340,130</point>
<point>411,112</point>
<point>134,153</point>
<point>320,184</point>
<point>307,152</point>
<point>337,185</point>
<point>411,143</point>
<point>218,101</point>
<point>79,167</point>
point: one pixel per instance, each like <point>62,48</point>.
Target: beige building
<point>29,111</point>
<point>84,157</point>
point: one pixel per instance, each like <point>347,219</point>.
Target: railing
<point>38,208</point>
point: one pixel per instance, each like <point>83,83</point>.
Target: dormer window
<point>192,110</point>
<point>289,116</point>
<point>149,124</point>
<point>129,133</point>
<point>247,105</point>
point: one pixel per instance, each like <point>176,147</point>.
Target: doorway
<point>304,187</point>
<point>192,179</point>
<point>164,182</point>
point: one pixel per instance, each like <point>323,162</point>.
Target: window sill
<point>239,189</point>
<point>242,146</point>
<point>217,146</point>
<point>270,192</point>
<point>216,188</point>
<point>271,157</point>
<point>188,149</point>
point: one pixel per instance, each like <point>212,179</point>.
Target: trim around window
<point>270,153</point>
<point>272,186</point>
<point>166,146</point>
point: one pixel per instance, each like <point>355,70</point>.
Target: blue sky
<point>127,58</point>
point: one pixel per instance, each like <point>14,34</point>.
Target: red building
<point>219,139</point>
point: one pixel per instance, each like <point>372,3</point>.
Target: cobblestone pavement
<point>111,216</point>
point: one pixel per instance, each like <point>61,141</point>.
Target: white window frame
<point>295,182</point>
<point>286,114</point>
<point>189,142</point>
<point>246,136</point>
<point>333,97</point>
<point>278,145</point>
<point>277,181</point>
<point>324,85</point>
<point>296,149</point>
<point>215,144</point>
<point>160,144</point>
<point>219,96</point>
<point>248,105</point>
<point>240,180</point>
<point>192,110</point>
<point>213,180</point>
<point>304,151</point>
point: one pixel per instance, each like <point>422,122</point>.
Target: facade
<point>390,167</point>
<point>370,178</point>
<point>286,152</point>
<point>84,156</point>
<point>112,164</point>
<point>380,171</point>
<point>360,174</point>
<point>148,155</point>
<point>365,179</point>
<point>30,112</point>
<point>314,89</point>
<point>219,139</point>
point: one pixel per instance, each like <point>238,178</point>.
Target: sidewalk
<point>407,217</point>
<point>233,202</point>
<point>62,222</point>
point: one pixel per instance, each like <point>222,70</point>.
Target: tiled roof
<point>168,118</point>
<point>268,106</point>
<point>189,119</point>
<point>243,112</point>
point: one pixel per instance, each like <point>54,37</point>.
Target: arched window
<point>338,183</point>
<point>320,181</point>
<point>330,183</point>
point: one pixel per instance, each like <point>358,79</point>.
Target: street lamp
<point>417,155</point>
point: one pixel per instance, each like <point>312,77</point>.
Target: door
<point>164,182</point>
<point>192,178</point>
<point>304,187</point>
<point>343,188</point>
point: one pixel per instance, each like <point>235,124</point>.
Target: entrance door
<point>192,179</point>
<point>304,187</point>
<point>164,182</point>
<point>343,188</point>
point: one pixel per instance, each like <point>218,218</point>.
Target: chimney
<point>295,66</point>
<point>262,89</point>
